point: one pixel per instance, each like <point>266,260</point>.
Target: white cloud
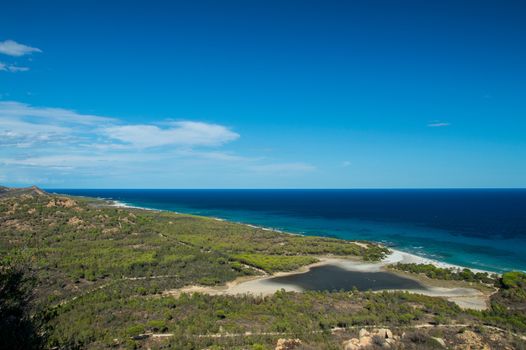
<point>185,133</point>
<point>22,121</point>
<point>438,124</point>
<point>60,161</point>
<point>22,125</point>
<point>12,109</point>
<point>12,48</point>
<point>12,68</point>
<point>57,141</point>
<point>57,137</point>
<point>346,163</point>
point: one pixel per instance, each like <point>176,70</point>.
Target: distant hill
<point>17,191</point>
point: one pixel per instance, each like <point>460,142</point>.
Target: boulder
<point>366,339</point>
<point>471,341</point>
<point>351,345</point>
<point>385,333</point>
<point>287,344</point>
<point>363,333</point>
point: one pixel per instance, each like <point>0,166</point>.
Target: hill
<point>29,191</point>
<point>101,273</point>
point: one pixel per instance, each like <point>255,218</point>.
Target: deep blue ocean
<point>484,229</point>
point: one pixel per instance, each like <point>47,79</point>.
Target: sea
<point>477,228</point>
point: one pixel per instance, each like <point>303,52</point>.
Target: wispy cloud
<point>12,109</point>
<point>346,164</point>
<point>43,142</point>
<point>12,48</point>
<point>438,124</point>
<point>38,124</point>
<point>24,126</point>
<point>12,68</point>
<point>184,133</point>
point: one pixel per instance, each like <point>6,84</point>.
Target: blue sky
<point>263,94</point>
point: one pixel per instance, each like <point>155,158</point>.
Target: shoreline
<point>396,255</point>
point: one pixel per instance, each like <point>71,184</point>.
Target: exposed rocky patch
<point>381,337</point>
<point>288,344</point>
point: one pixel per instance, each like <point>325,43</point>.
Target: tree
<point>19,328</point>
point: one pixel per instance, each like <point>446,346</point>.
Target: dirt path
<point>333,330</point>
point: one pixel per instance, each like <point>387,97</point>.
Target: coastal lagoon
<point>334,278</point>
<point>336,274</point>
<point>482,229</point>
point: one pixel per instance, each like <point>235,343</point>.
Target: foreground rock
<point>471,341</point>
<point>382,337</point>
<point>287,344</point>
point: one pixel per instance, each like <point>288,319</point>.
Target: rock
<point>350,345</point>
<point>366,339</point>
<point>390,342</point>
<point>471,341</point>
<point>363,333</point>
<point>287,344</point>
<point>440,341</point>
<point>62,202</point>
<point>385,333</point>
<point>75,221</point>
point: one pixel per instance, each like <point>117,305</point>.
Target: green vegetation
<point>191,315</point>
<point>79,244</point>
<point>21,324</point>
<point>449,274</point>
<point>514,285</point>
<point>508,305</point>
<point>102,278</point>
<point>274,263</point>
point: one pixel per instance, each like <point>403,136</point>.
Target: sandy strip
<point>398,256</point>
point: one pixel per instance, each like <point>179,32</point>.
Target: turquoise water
<point>483,229</point>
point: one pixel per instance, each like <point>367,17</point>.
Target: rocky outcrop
<point>287,344</point>
<point>75,221</point>
<point>62,202</point>
<point>382,337</point>
<point>471,341</point>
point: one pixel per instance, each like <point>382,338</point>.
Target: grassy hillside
<point>100,272</point>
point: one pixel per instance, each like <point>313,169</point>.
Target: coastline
<point>396,255</point>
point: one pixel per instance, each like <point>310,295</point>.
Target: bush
<point>135,330</point>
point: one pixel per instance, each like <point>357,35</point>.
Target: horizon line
<point>288,188</point>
